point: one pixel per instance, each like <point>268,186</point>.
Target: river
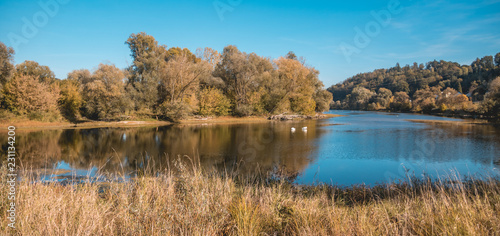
<point>357,148</point>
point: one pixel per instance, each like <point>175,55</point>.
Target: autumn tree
<point>237,73</point>
<point>32,68</point>
<point>360,97</point>
<point>450,99</point>
<point>70,99</point>
<point>383,98</point>
<point>213,102</point>
<point>175,52</point>
<point>80,77</point>
<point>491,105</point>
<point>26,95</point>
<point>32,92</point>
<point>425,99</point>
<point>103,93</point>
<point>243,76</point>
<point>401,102</point>
<point>179,82</point>
<point>299,86</point>
<point>213,58</point>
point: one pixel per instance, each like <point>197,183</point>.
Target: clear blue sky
<point>82,34</point>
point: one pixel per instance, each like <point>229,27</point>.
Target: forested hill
<point>437,86</point>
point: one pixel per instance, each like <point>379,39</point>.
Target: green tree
<point>487,62</point>
<point>323,100</point>
<point>497,59</point>
<point>6,63</point>
<point>144,75</point>
<point>6,67</point>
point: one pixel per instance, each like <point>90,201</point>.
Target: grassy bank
<point>195,203</point>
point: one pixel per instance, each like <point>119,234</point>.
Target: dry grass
<point>191,202</point>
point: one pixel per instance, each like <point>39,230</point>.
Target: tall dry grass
<point>194,202</point>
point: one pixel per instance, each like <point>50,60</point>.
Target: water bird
<point>293,129</point>
<point>304,128</point>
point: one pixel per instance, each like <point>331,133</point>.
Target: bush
<point>175,110</point>
<point>213,102</point>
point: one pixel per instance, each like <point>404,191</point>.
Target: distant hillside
<point>437,86</point>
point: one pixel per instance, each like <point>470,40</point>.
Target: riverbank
<point>197,203</point>
<point>468,118</point>
<point>30,124</point>
<point>463,122</point>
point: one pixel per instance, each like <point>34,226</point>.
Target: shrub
<point>213,102</point>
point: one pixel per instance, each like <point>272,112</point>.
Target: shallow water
<point>367,147</point>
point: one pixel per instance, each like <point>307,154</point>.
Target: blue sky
<point>82,34</point>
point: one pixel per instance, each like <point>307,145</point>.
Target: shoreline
<point>40,125</point>
<point>461,122</point>
<point>460,119</point>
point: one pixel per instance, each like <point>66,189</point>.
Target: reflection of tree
<point>250,147</point>
<point>487,134</point>
<point>438,142</point>
<point>38,149</point>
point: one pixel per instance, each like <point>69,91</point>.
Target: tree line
<point>165,83</point>
<point>436,87</point>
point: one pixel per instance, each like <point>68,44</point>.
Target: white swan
<point>304,128</point>
<point>293,129</point>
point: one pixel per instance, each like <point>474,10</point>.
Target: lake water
<point>360,147</point>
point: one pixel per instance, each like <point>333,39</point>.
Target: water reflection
<point>242,147</point>
<point>368,147</point>
<point>378,147</point>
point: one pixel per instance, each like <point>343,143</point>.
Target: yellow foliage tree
<point>213,102</point>
<point>27,95</point>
